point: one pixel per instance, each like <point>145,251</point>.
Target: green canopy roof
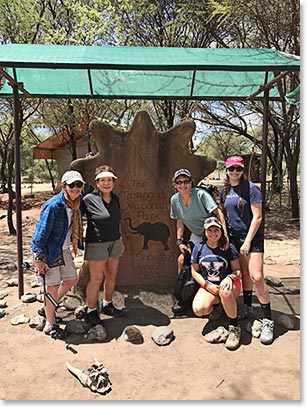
<point>293,98</point>
<point>141,72</point>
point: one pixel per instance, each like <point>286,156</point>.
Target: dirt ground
<point>189,368</point>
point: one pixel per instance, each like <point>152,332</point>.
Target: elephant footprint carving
<point>157,231</point>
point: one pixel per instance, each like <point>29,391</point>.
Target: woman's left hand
<point>226,284</point>
<point>244,249</point>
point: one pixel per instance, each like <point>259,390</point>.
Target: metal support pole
<point>264,148</point>
<point>17,132</point>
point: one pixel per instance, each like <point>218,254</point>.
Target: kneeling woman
<point>218,273</point>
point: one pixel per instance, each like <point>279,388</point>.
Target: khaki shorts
<point>62,273</point>
<point>103,250</point>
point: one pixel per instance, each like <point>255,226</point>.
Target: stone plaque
<point>144,161</point>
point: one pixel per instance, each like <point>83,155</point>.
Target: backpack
<point>185,286</point>
<point>211,189</point>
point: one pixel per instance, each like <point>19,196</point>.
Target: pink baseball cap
<point>234,160</point>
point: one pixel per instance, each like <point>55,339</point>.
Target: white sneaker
<point>233,340</point>
<point>267,332</point>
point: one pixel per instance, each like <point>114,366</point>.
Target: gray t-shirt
<point>201,207</point>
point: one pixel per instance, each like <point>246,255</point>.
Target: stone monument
<point>145,160</point>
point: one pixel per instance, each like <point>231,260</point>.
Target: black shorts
<point>257,244</point>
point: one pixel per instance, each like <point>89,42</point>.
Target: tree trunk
<point>50,174</point>
<point>11,193</point>
<point>277,176</point>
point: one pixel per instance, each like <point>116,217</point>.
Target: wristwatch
<point>39,257</point>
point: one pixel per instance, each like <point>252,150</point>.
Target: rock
<point>2,313</point>
<point>19,319</point>
<point>35,283</point>
<point>29,297</point>
<point>3,304</point>
<point>13,282</point>
<point>37,322</point>
<point>10,267</point>
<point>256,328</point>
<point>218,335</point>
<point>72,301</point>
<point>77,327</point>
<point>163,335</point>
<point>286,321</point>
<point>291,290</point>
<point>97,333</point>
<point>3,294</point>
<point>132,334</point>
<point>40,297</point>
<point>273,282</point>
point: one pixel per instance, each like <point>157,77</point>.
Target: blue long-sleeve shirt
<point>51,228</point>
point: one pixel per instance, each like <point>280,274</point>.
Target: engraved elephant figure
<point>157,231</point>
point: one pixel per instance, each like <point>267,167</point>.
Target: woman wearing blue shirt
<point>217,271</point>
<point>242,202</point>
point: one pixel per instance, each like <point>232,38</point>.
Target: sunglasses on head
<point>185,182</point>
<point>78,184</point>
<point>232,168</point>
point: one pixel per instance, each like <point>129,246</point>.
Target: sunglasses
<point>78,184</point>
<point>231,169</point>
<point>185,182</point>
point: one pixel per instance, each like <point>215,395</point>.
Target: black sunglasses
<point>185,182</point>
<point>231,169</point>
<point>78,184</point>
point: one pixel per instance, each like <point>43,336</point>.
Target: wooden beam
<point>267,86</point>
<point>13,83</point>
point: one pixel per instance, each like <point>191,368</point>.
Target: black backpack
<point>186,287</point>
<point>211,189</point>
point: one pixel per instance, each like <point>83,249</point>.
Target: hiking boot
<point>54,331</point>
<point>246,312</point>
<point>233,340</point>
<point>93,318</point>
<point>267,333</point>
<point>111,310</point>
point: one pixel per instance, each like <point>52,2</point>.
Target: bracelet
<point>179,241</point>
<point>205,284</point>
<point>232,277</point>
<point>39,257</point>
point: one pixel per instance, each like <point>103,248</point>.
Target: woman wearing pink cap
<point>242,202</point>
<point>103,244</point>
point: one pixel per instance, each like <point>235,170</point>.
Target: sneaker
<point>246,312</point>
<point>93,318</point>
<point>111,310</point>
<point>267,333</point>
<point>233,340</point>
<point>54,331</point>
